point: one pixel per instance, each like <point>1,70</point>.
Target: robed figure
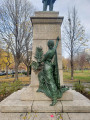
<point>46,3</point>
<point>49,81</point>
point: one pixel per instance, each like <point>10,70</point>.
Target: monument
<point>37,97</point>
<point>46,27</point>
<point>49,81</point>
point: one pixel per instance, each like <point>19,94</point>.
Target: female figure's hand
<point>58,38</point>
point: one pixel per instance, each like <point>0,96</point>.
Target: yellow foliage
<point>6,58</point>
<point>2,77</point>
<point>65,63</point>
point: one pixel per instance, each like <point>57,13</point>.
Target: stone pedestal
<point>46,26</point>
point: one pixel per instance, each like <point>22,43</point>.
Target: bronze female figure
<point>49,81</point>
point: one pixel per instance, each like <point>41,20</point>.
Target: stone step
<point>13,104</point>
<point>17,106</point>
<point>76,106</point>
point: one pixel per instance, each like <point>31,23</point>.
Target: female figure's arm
<point>56,43</point>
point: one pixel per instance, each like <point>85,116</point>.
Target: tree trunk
<point>82,69</point>
<point>72,67</point>
<point>16,70</point>
<point>6,71</point>
<point>28,70</point>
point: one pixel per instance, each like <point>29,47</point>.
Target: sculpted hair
<point>50,43</point>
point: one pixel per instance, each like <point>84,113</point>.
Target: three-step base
<point>16,104</point>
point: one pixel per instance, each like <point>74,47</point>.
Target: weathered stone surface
<point>44,106</point>
<point>16,95</point>
<point>11,116</point>
<point>61,76</point>
<point>67,96</point>
<point>39,43</point>
<point>62,116</point>
<point>31,94</point>
<point>59,57</point>
<point>33,116</point>
<point>79,96</point>
<point>44,116</point>
<point>76,106</point>
<point>16,106</point>
<point>46,14</point>
<point>59,48</point>
<point>47,20</point>
<point>46,31</point>
<point>79,116</point>
<point>47,116</point>
<point>34,79</point>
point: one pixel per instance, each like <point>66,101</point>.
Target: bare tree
<point>0,56</point>
<point>14,17</point>
<point>81,61</point>
<point>28,50</point>
<point>74,36</point>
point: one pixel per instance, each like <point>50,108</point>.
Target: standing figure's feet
<point>53,102</point>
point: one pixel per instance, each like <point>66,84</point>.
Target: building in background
<point>87,51</point>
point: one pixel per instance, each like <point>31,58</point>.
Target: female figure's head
<point>50,44</point>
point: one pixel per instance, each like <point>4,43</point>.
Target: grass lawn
<point>4,76</point>
<point>83,76</point>
<point>24,79</point>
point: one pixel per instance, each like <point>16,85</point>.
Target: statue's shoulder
<point>51,51</point>
<point>48,52</point>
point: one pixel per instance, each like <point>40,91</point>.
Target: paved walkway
<point>44,116</point>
